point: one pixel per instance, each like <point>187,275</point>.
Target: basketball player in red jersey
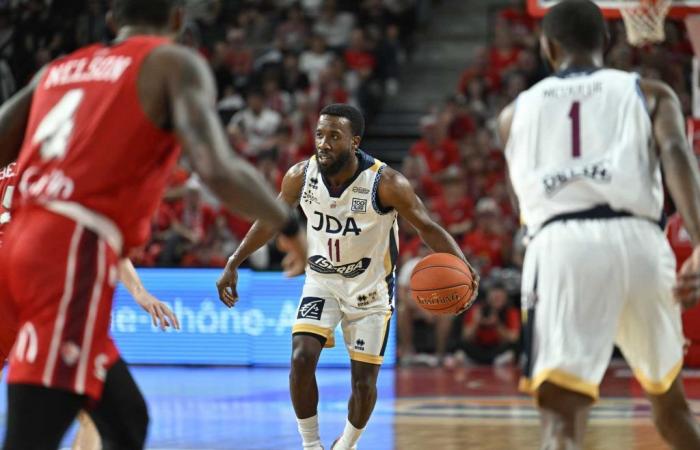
<point>98,132</point>
<point>162,316</point>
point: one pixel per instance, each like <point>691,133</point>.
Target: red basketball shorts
<point>58,277</point>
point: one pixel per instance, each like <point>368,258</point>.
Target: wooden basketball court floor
<point>418,409</point>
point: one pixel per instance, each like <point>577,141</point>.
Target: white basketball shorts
<point>365,330</point>
<point>590,284</point>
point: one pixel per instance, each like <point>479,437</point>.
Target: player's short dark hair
<point>354,115</point>
<point>577,25</point>
<point>146,12</point>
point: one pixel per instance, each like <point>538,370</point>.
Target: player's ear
<point>356,142</point>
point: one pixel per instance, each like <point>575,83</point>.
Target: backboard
<point>611,8</point>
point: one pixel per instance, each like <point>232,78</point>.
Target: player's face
<point>335,144</point>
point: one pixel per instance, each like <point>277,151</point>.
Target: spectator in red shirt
<point>358,56</point>
<point>185,223</point>
<point>491,331</point>
<point>438,150</point>
<point>454,207</point>
<point>487,243</point>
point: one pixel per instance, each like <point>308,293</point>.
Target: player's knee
<point>303,361</point>
<point>668,412</point>
<point>364,387</point>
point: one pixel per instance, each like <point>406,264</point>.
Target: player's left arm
<point>160,313</point>
<point>396,192</point>
<point>14,116</point>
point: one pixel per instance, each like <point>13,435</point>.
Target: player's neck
<point>128,31</point>
<point>346,174</point>
<point>580,61</point>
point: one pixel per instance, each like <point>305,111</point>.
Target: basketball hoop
<point>644,21</point>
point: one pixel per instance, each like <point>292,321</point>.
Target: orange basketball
<point>441,283</point>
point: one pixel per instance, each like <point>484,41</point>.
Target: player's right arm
<point>190,100</point>
<point>259,234</point>
<point>682,177</point>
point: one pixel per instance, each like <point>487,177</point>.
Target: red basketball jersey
<point>90,152</point>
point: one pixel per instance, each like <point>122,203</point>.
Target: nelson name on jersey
<point>108,68</point>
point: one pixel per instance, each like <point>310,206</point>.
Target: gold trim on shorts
<point>561,379</point>
<point>325,333</point>
<point>366,358</point>
<point>661,386</point>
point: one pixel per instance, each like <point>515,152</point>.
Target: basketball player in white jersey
<point>351,202</point>
<point>586,149</point>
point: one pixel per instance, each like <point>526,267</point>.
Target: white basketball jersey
<point>580,140</point>
<point>353,240</point>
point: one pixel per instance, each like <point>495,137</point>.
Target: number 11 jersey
<point>353,239</point>
<point>583,139</point>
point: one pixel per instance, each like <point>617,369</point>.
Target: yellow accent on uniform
<point>658,387</point>
<point>561,379</point>
<point>320,331</point>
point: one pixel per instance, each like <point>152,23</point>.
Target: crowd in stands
<point>277,62</point>
<point>458,169</point>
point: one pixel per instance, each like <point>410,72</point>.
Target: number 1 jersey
<point>90,152</point>
<point>583,139</point>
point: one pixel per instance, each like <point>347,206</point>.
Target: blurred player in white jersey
<point>586,149</point>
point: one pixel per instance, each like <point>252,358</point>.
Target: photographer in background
<point>491,329</point>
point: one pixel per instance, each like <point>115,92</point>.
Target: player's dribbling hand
<point>160,313</point>
<point>226,285</point>
<point>475,289</point>
<point>294,263</point>
<point>687,288</point>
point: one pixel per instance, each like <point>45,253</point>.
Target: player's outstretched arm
<point>160,313</point>
<point>681,175</point>
<point>191,97</point>
<point>14,115</point>
<point>259,235</point>
<point>396,192</point>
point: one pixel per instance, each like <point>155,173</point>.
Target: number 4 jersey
<point>90,152</point>
<point>353,241</point>
<point>582,139</point>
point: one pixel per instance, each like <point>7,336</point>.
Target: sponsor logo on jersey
<point>53,185</point>
<point>309,197</point>
<point>313,183</point>
<point>332,225</point>
<point>360,344</point>
<point>8,171</point>
<point>320,264</point>
<point>597,172</point>
<point>360,190</point>
<point>365,299</point>
<point>311,308</point>
<point>359,205</point>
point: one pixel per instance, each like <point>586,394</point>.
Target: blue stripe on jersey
<point>393,256</point>
<point>376,204</point>
<point>576,71</point>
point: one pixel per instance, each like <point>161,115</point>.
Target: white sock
<point>308,428</point>
<point>350,436</point>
